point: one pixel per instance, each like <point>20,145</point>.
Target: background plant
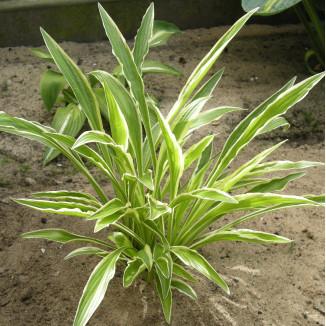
<point>55,89</point>
<point>307,11</point>
<point>160,218</point>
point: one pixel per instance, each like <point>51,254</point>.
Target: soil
<point>270,284</point>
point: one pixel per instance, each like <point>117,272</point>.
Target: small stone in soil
<point>30,181</point>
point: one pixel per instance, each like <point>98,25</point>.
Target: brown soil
<point>270,284</point>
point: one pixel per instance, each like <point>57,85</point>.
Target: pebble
<point>5,200</point>
<point>30,181</point>
<point>43,250</point>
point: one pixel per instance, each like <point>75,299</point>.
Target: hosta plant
<point>69,118</point>
<point>166,197</point>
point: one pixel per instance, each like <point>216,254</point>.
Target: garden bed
<point>269,284</point>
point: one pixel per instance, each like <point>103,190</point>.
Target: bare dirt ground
<point>270,284</point>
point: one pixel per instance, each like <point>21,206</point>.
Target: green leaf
<point>122,241</point>
<point>275,166</point>
<point>63,208</point>
<point>175,157</point>
<point>96,287</point>
<point>42,54</point>
<point>249,182</point>
<point>93,136</point>
<point>61,236</point>
<point>276,183</point>
<point>146,256</point>
<point>163,266</point>
<point>315,201</point>
<point>129,68</point>
<point>205,194</point>
<point>205,158</point>
<point>157,208</point>
<point>134,268</point>
<point>129,232</point>
<point>196,150</point>
<point>166,302</point>
<point>69,96</point>
<point>105,139</point>
<point>318,199</point>
<point>77,82</point>
<point>161,33</point>
<point>143,36</point>
<point>68,121</point>
<point>163,262</point>
<point>145,180</point>
<point>157,67</point>
<point>203,67</point>
<point>276,123</point>
<point>70,196</point>
<point>268,7</point>
<point>152,102</point>
<point>45,135</point>
<point>152,227</point>
<point>108,220</point>
<point>24,128</point>
<point>86,251</point>
<point>181,272</point>
<point>209,116</point>
<point>208,88</point>
<point>109,208</point>
<point>258,200</point>
<point>118,125</point>
<point>183,287</point>
<point>128,108</point>
<point>100,96</point>
<point>51,85</point>
<point>93,157</point>
<point>252,201</point>
<point>228,182</point>
<point>278,104</point>
<point>194,259</point>
<point>182,123</point>
<point>239,235</point>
